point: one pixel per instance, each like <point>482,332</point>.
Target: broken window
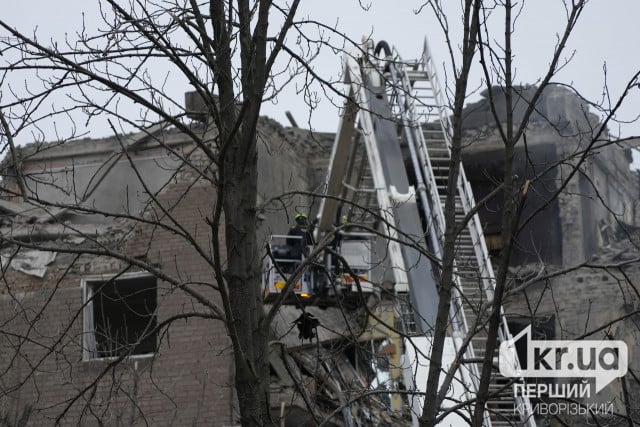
<point>494,243</point>
<point>119,317</point>
<point>542,328</point>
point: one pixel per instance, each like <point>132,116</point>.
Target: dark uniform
<point>300,229</point>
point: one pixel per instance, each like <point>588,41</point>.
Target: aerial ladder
<point>388,173</point>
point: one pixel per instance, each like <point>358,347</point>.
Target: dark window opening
<point>120,317</point>
<point>542,328</point>
<point>494,244</point>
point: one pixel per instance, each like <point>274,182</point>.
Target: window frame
<point>87,293</point>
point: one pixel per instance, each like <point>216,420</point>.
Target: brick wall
<point>584,301</point>
<point>187,382</point>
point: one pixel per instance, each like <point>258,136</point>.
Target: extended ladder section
<point>389,173</point>
<point>422,106</point>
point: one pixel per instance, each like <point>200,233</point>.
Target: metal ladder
<point>421,104</point>
<point>355,173</point>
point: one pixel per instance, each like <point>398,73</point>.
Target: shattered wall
<point>592,304</point>
<point>292,167</point>
<point>598,200</point>
<point>575,267</point>
<point>189,380</point>
<point>182,383</point>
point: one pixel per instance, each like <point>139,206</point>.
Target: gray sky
<point>608,33</point>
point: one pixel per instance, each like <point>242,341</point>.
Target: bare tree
<point>495,59</point>
<point>234,57</point>
<point>226,51</point>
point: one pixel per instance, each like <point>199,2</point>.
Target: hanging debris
<point>307,324</point>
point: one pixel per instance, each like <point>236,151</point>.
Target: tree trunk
<point>243,282</point>
<point>431,405</point>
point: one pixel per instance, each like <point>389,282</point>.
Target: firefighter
<point>302,230</point>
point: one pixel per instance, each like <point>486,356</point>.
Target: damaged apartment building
<point>67,313</point>
<point>575,263</point>
<point>74,300</point>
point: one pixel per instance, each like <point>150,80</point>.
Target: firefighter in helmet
<point>300,236</point>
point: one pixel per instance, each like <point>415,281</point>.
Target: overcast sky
<point>608,33</point>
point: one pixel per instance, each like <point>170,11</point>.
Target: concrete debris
<point>74,240</point>
<point>333,324</point>
<point>319,377</point>
<point>41,232</point>
<point>29,261</point>
<point>13,208</point>
<point>323,384</point>
<point>624,246</point>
